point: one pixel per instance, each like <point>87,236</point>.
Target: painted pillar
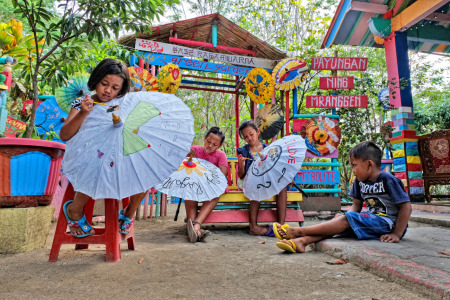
<point>5,86</point>
<point>407,166</point>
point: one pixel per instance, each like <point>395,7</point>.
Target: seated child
<point>387,202</point>
<point>249,131</point>
<point>209,151</point>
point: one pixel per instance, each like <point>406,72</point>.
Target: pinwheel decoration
<point>323,135</point>
<point>289,73</point>
<point>76,87</point>
<point>259,85</point>
<point>142,80</point>
<point>169,79</point>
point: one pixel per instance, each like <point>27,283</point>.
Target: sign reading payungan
<point>336,101</point>
<point>339,63</point>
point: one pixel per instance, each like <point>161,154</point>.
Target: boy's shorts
<point>368,226</point>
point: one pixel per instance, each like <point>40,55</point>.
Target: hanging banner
<point>192,64</point>
<point>171,49</point>
<point>339,63</point>
<point>336,101</point>
<point>13,127</point>
<point>335,83</point>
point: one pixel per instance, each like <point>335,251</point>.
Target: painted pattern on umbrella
<point>50,117</point>
<point>270,120</point>
<point>289,73</point>
<point>323,135</point>
<point>76,87</point>
<point>104,160</point>
<point>142,80</point>
<point>259,85</point>
<point>196,179</point>
<point>169,79</point>
<point>274,168</point>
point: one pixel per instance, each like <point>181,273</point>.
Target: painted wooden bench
<point>233,206</point>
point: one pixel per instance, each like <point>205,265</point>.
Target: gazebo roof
<point>426,23</point>
<point>199,29</point>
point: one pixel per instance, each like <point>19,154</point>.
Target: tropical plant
<point>74,21</point>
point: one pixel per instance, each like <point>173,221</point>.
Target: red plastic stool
<point>109,236</point>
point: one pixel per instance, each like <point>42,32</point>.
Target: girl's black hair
<point>110,66</point>
<point>245,124</point>
<point>367,150</point>
<point>217,131</point>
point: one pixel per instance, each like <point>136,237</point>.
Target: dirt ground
<point>231,264</point>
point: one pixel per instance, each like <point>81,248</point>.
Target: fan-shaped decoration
<point>169,79</point>
<point>259,85</point>
<point>322,135</point>
<point>270,120</point>
<point>76,87</point>
<point>289,73</point>
<point>142,80</point>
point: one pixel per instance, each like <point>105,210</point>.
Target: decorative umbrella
<point>270,120</point>
<point>259,85</point>
<point>383,98</point>
<point>289,73</point>
<point>274,168</point>
<point>142,80</point>
<point>50,117</point>
<point>76,87</point>
<point>322,135</point>
<point>106,161</point>
<point>169,79</point>
<point>196,179</point>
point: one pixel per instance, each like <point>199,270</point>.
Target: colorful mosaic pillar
<point>407,165</point>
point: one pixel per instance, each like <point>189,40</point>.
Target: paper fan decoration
<point>76,87</point>
<point>259,85</point>
<point>289,73</point>
<point>169,79</point>
<point>322,135</point>
<point>142,80</point>
<point>270,120</point>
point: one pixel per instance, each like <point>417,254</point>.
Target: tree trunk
<point>30,126</point>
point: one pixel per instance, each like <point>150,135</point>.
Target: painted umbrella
<point>259,85</point>
<point>323,135</point>
<point>169,79</point>
<point>50,117</point>
<point>106,161</point>
<point>76,87</point>
<point>289,73</point>
<point>274,168</point>
<point>270,120</point>
<point>142,80</point>
<point>196,179</point>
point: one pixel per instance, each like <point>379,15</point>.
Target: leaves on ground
<point>261,242</point>
<point>141,261</point>
<point>340,261</point>
<point>444,252</point>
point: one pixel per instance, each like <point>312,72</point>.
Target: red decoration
<point>339,63</point>
<point>338,82</point>
<point>336,101</point>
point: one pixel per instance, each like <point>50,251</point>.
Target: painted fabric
<point>245,152</point>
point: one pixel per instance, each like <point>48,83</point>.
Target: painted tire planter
<point>29,171</point>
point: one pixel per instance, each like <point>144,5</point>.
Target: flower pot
<point>29,171</point>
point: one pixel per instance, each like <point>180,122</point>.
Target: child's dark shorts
<point>368,226</point>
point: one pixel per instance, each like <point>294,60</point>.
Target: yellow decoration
<point>169,79</point>
<point>190,166</point>
<point>413,160</point>
<point>289,73</point>
<point>259,85</point>
<point>378,39</point>
<point>398,153</point>
<point>403,141</point>
<point>142,80</point>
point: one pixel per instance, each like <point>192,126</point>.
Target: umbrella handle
<point>178,210</point>
<point>299,189</point>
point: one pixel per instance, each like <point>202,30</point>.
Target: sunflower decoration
<point>289,73</point>
<point>142,80</point>
<point>323,135</point>
<point>191,166</point>
<point>259,85</point>
<point>169,79</point>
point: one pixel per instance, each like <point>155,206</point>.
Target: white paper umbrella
<point>272,172</point>
<point>104,161</point>
<point>198,180</point>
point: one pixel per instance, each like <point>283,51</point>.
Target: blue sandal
<point>126,223</point>
<point>83,223</point>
